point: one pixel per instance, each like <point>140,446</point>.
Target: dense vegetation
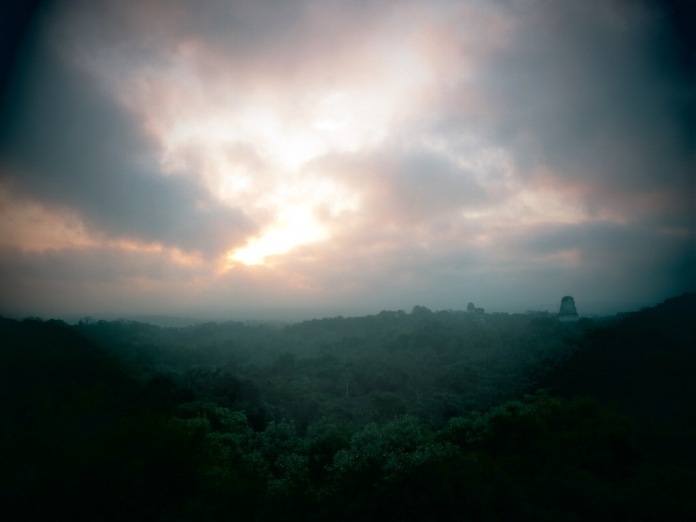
<point>398,416</point>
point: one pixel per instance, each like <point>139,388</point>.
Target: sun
<point>294,227</point>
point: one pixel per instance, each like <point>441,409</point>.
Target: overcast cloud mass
<point>302,158</point>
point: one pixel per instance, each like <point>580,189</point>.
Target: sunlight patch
<point>296,226</point>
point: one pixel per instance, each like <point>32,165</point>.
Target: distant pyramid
<point>568,312</point>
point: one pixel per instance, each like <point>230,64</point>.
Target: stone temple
<point>568,312</point>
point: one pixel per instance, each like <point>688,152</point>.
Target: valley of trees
<point>396,416</point>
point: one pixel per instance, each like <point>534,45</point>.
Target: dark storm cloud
<point>593,90</point>
<point>616,248</point>
<point>64,141</point>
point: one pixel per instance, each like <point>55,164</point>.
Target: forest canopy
<point>394,416</point>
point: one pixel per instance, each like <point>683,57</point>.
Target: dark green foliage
<point>433,365</point>
<point>79,435</point>
<point>420,416</point>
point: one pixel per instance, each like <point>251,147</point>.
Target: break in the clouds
<point>216,158</point>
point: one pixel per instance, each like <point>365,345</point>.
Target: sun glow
<point>253,144</point>
<point>273,179</point>
<point>294,227</point>
<point>304,213</point>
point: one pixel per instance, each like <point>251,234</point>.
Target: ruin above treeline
<point>568,311</point>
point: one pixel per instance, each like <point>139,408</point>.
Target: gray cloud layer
<point>65,142</point>
<point>590,104</point>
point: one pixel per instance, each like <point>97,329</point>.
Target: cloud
<point>65,141</point>
<point>363,154</point>
<point>591,91</point>
<point>406,186</point>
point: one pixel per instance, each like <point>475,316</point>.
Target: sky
<point>239,159</point>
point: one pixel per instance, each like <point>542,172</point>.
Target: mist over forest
<point>425,415</point>
<point>348,260</point>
